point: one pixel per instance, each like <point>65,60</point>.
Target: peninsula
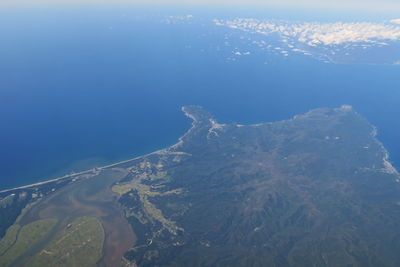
<point>316,189</point>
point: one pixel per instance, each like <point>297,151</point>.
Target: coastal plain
<point>84,215</point>
<point>316,189</point>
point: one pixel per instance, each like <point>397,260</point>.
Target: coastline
<point>388,166</point>
<point>90,171</point>
<point>68,176</point>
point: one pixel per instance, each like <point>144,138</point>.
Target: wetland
<point>89,198</point>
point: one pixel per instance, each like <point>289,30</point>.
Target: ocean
<point>80,87</point>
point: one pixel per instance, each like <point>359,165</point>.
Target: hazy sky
<point>319,3</point>
<point>372,5</point>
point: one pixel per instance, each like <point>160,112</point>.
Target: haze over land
<point>123,56</point>
<point>315,189</point>
<point>91,95</point>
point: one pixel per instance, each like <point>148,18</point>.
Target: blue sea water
<point>84,87</point>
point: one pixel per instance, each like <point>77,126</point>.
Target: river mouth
<point>88,197</point>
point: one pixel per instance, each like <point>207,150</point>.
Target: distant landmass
<point>315,190</point>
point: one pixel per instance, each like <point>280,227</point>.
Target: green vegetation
<point>153,212</point>
<point>311,191</point>
<point>8,200</point>
<point>9,239</point>
<point>79,244</point>
<point>150,212</point>
<point>27,238</point>
<point>123,188</point>
<point>10,208</point>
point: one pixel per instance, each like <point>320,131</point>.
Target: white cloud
<point>316,34</point>
<point>395,21</point>
<point>238,53</point>
<point>177,19</point>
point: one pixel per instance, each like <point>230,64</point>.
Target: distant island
<point>315,190</point>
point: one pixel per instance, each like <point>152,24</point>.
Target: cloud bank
<point>395,21</point>
<point>314,34</point>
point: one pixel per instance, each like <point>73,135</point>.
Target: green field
<point>9,239</point>
<point>15,243</point>
<point>79,244</point>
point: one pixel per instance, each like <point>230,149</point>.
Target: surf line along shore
<point>72,175</point>
<point>68,176</point>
